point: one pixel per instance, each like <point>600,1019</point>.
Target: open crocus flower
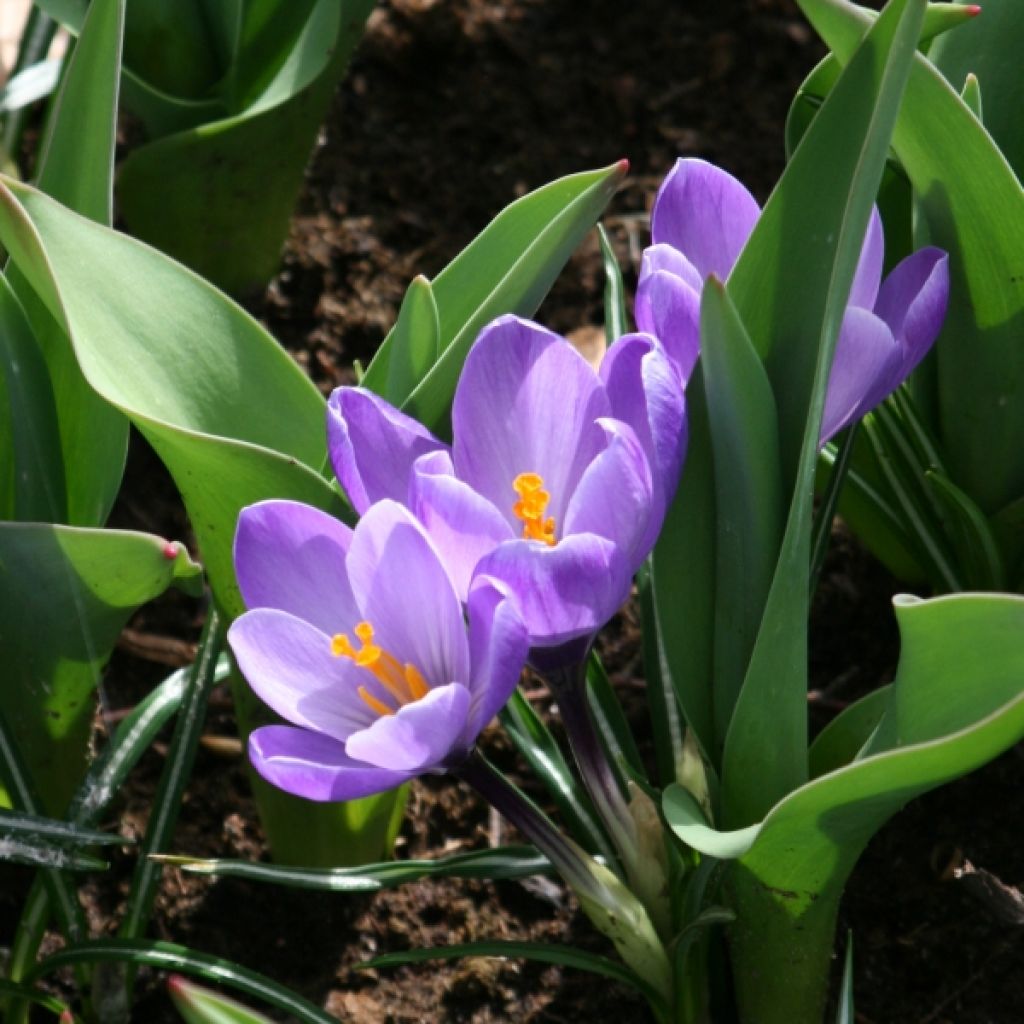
<point>702,218</point>
<point>359,639</point>
<point>557,481</point>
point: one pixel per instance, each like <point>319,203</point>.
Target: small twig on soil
<point>167,650</point>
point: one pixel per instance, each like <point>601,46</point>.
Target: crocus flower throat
<point>533,500</point>
<point>404,682</point>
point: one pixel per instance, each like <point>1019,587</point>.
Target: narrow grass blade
<point>616,318</point>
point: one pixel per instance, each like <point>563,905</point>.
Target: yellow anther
<point>403,682</point>
<point>530,508</point>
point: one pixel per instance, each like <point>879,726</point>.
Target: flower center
<point>404,683</point>
<point>533,500</point>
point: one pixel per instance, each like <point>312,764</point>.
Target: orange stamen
<point>403,682</point>
<point>533,500</point>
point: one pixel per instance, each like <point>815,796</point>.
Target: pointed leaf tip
<point>170,550</point>
<point>623,166</point>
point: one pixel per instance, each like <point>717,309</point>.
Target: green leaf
<point>972,205</point>
<point>508,268</point>
<point>65,595</point>
<point>198,1005</point>
<point>616,317</point>
<point>76,166</point>
<point>811,239</point>
<point>563,956</point>
<point>957,702</point>
<point>230,414</point>
<point>611,724</point>
<point>501,862</point>
<point>417,340</point>
<point>167,956</point>
<point>43,999</point>
<point>31,463</point>
<point>748,492</point>
<point>844,737</point>
<point>845,1013</point>
<point>45,842</point>
<point>218,196</point>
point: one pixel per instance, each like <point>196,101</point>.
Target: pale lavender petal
<point>866,358</point>
<point>290,667</point>
<point>498,645</point>
<point>615,496</point>
<point>646,391</point>
<point>669,309</point>
<point>292,556</point>
<point>670,259</point>
<point>316,767</point>
<point>913,301</point>
<point>525,403</point>
<point>421,737</point>
<point>868,274</point>
<point>706,214</point>
<point>373,446</point>
<point>407,595</point>
<point>565,591</point>
<point>463,525</point>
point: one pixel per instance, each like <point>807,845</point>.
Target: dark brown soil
<point>452,109</point>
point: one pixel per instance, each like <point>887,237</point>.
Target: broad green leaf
<point>198,1005</point>
<point>231,415</point>
<point>790,287</point>
<point>31,464</point>
<point>957,702</point>
<point>501,862</point>
<point>748,492</point>
<point>845,736</point>
<point>65,595</point>
<point>508,268</point>
<point>563,956</point>
<point>972,205</point>
<point>416,344</point>
<point>167,956</point>
<point>76,167</point>
<point>218,196</point>
<point>988,50</point>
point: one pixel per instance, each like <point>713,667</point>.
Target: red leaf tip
<point>176,984</point>
<point>170,550</point>
<point>623,166</point>
<point>973,10</point>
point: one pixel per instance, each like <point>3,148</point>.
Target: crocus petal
<point>525,403</point>
<point>407,595</point>
<point>292,557</point>
<point>706,214</point>
<point>421,736</point>
<point>669,309</point>
<point>373,446</point>
<point>913,301</point>
<point>289,665</point>
<point>646,391</point>
<point>463,525</point>
<point>569,590</point>
<point>498,646</point>
<point>614,498</point>
<point>866,358</point>
<point>315,767</point>
<point>668,258</point>
<point>868,274</point>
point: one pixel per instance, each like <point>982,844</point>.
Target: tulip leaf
<point>972,205</point>
<point>65,595</point>
<point>748,491</point>
<point>31,464</point>
<point>198,1005</point>
<point>76,166</point>
<point>811,239</point>
<point>846,735</point>
<point>231,415</point>
<point>417,340</point>
<point>218,196</point>
<point>507,268</point>
<point>957,702</point>
<point>167,956</point>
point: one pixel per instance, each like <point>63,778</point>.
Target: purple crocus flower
<point>557,481</point>
<point>702,218</point>
<point>359,639</point>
